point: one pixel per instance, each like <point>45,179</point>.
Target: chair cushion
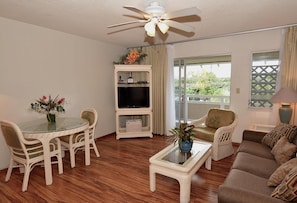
<point>204,133</point>
<point>217,118</point>
<point>77,137</point>
<point>88,115</point>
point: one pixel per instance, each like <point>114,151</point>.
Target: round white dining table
<point>44,131</point>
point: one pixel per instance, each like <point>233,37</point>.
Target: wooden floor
<point>121,175</point>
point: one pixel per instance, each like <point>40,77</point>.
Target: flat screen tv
<point>133,97</point>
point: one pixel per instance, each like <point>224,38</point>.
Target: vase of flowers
<point>51,117</point>
<point>49,106</point>
<point>183,135</point>
<point>132,57</point>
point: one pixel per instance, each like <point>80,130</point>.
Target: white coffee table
<point>180,166</point>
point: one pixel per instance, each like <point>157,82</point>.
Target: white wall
<point>36,61</point>
<point>241,48</point>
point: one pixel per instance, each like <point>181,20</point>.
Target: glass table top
<point>174,155</point>
<point>43,126</point>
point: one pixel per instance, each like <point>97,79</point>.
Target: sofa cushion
<point>204,133</point>
<point>287,190</point>
<point>243,187</point>
<point>255,148</point>
<point>255,165</point>
<point>231,194</point>
<point>217,118</point>
<point>279,174</point>
<point>282,129</point>
<point>283,150</point>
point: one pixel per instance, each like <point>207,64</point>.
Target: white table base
<point>46,137</point>
<point>184,178</point>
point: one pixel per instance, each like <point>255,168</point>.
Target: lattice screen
<point>263,85</point>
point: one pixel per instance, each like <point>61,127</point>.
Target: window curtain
<point>289,59</point>
<point>170,110</point>
<point>157,56</point>
<point>289,63</point>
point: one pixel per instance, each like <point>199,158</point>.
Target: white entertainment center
<point>133,101</point>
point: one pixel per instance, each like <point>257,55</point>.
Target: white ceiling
<point>89,18</point>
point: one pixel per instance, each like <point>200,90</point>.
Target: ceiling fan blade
<point>145,15</point>
<point>135,17</point>
<point>126,23</point>
<point>182,13</point>
<point>179,26</point>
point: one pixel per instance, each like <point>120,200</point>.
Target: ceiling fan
<point>155,15</point>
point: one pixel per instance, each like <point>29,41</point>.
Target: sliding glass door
<point>201,84</point>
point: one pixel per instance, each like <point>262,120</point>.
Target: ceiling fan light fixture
<point>155,8</point>
<point>150,29</point>
<point>151,33</point>
<point>163,27</point>
<point>155,15</point>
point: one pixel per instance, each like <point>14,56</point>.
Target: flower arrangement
<point>48,105</point>
<point>132,57</point>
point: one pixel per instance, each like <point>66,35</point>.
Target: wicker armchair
<point>217,126</point>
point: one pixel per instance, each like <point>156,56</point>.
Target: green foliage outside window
<point>206,83</point>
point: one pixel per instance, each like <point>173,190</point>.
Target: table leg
<point>208,163</point>
<point>47,162</point>
<point>152,179</point>
<point>87,147</point>
<point>185,189</point>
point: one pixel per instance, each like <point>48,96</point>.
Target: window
<point>201,83</point>
<point>263,78</point>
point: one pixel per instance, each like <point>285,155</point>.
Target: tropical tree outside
<point>203,81</point>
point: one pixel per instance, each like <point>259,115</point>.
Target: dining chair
<point>76,142</point>
<point>27,153</point>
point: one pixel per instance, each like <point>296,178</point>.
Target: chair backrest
<point>91,115</point>
<point>13,138</point>
<point>217,118</point>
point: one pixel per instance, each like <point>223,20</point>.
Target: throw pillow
<point>287,190</point>
<point>217,118</point>
<point>279,174</point>
<point>282,129</point>
<point>283,150</point>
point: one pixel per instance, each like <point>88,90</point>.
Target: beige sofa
<point>265,165</point>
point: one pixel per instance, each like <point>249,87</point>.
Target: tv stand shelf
<point>140,124</point>
<point>133,88</point>
<point>133,83</point>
